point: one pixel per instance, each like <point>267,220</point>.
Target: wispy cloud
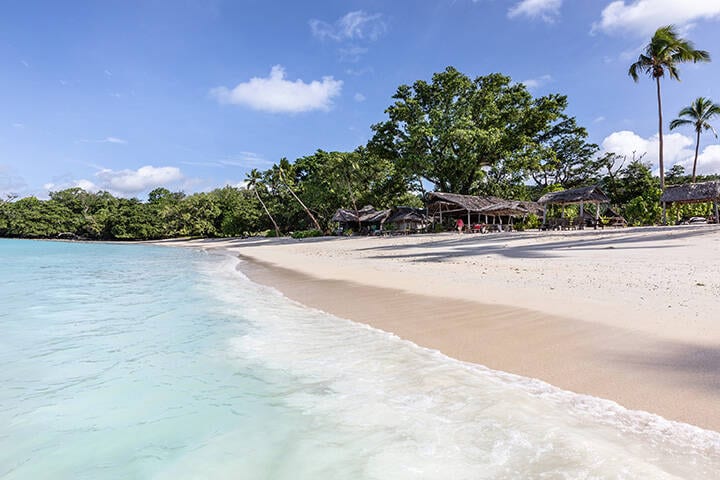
<point>352,53</point>
<point>276,94</point>
<point>357,25</point>
<point>641,17</point>
<point>25,63</point>
<point>546,10</point>
<point>105,140</point>
<point>241,160</point>
<point>18,125</point>
<point>108,73</point>
<point>359,97</point>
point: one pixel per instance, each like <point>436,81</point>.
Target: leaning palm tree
<point>698,114</point>
<point>253,181</point>
<point>284,167</point>
<point>664,53</point>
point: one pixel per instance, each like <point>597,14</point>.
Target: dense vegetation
<point>482,136</point>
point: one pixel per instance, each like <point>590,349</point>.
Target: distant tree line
<point>481,136</point>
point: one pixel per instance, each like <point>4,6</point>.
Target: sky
<point>125,95</point>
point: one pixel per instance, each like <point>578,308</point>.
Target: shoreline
<point>650,364</point>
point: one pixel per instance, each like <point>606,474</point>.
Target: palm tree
<point>698,114</point>
<point>254,180</point>
<point>283,167</point>
<point>664,53</point>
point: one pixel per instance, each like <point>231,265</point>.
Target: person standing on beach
<point>460,224</point>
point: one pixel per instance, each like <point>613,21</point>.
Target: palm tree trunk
<point>660,136</point>
<point>277,230</point>
<point>307,210</point>
<point>697,149</point>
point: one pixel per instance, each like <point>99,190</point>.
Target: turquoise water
<point>134,361</point>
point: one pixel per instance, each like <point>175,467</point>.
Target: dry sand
<point>630,315</point>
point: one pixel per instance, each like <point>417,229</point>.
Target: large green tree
<point>451,130</point>
<point>698,114</point>
<point>665,52</point>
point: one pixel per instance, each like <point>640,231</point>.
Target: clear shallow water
<point>132,361</point>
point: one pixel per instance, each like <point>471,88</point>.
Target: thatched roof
<point>692,192</point>
<point>591,194</point>
<point>508,207</point>
<point>367,214</point>
<point>407,214</point>
<point>454,202</point>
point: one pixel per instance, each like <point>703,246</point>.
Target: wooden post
<point>440,213</point>
<point>544,213</point>
<point>717,219</point>
<point>664,214</point>
<point>581,223</point>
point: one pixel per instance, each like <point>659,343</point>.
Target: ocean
<point>148,362</point>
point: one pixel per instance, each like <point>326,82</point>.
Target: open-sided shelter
<point>576,196</point>
<point>703,192</point>
<point>407,219</point>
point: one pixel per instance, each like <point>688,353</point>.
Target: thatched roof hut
<point>692,193</point>
<point>574,196</point>
<point>367,215</point>
<point>456,204</point>
<point>407,215</point>
<point>505,208</point>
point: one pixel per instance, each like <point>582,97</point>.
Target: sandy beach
<point>629,315</point>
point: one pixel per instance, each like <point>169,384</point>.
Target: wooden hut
<point>576,196</point>
<point>703,192</point>
<point>407,219</point>
<point>453,205</point>
<point>364,219</point>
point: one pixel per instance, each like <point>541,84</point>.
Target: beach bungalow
<point>364,220</point>
<point>576,196</point>
<point>407,219</point>
<point>704,192</point>
<point>441,205</point>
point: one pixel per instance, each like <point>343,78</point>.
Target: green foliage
<point>307,233</point>
<point>454,131</point>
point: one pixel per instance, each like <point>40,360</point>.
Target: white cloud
<point>18,125</point>
<point>105,140</point>
<point>135,181</point>
<point>357,25</point>
<point>599,119</point>
<point>537,82</point>
<point>642,17</point>
<point>678,149</point>
<point>359,97</point>
<point>545,10</point>
<point>25,64</point>
<point>278,95</point>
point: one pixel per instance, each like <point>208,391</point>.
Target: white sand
<point>628,314</point>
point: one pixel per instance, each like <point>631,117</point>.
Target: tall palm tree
<point>698,114</point>
<point>663,54</point>
<point>282,168</point>
<point>254,180</point>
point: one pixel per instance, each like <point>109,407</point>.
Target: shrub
<point>306,233</point>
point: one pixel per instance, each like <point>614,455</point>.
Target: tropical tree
<point>282,168</point>
<point>698,114</point>
<point>663,54</point>
<point>451,130</point>
<point>254,181</point>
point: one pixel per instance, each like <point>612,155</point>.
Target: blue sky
<point>189,94</point>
